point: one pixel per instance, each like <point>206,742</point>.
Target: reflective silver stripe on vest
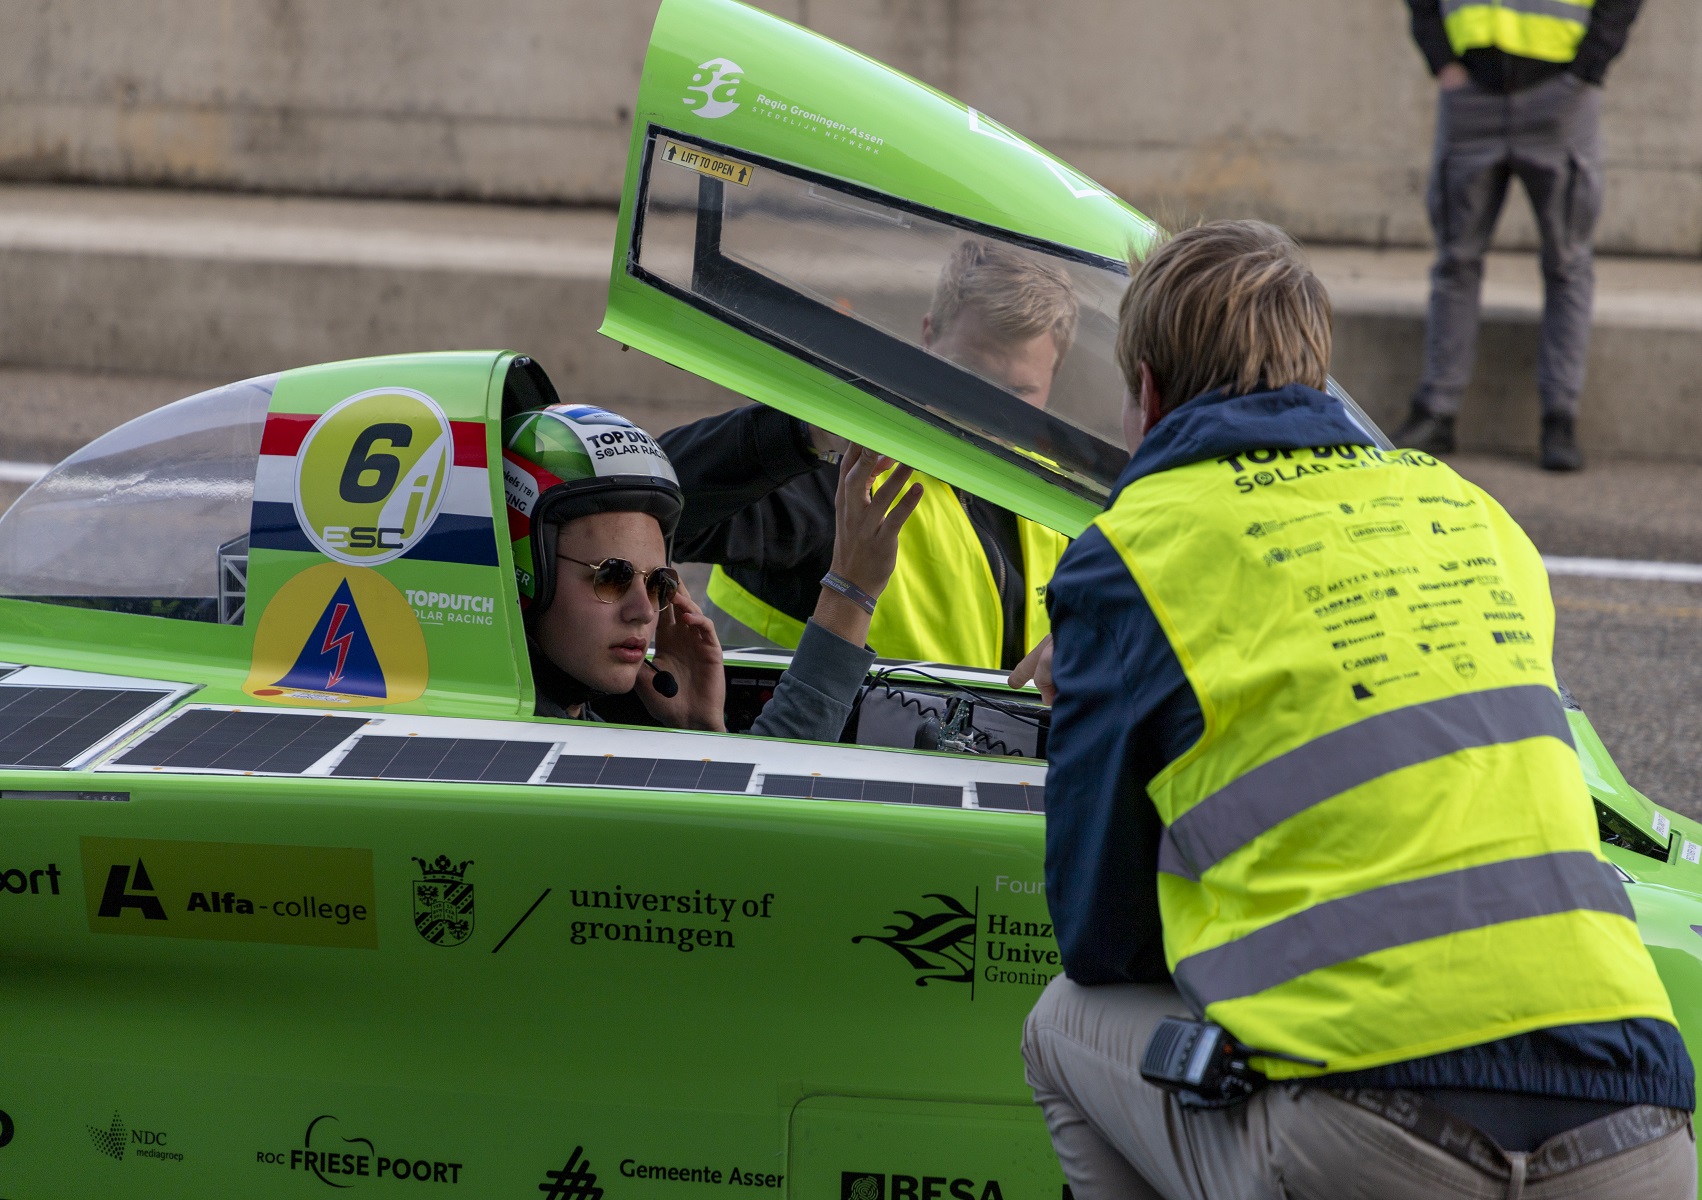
<point>1535,8</point>
<point>1290,784</point>
<point>1338,931</point>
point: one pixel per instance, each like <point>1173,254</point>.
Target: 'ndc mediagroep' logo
<point>443,901</point>
<point>713,86</point>
<point>116,1139</point>
<point>871,1185</point>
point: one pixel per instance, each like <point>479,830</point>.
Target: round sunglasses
<point>612,578</point>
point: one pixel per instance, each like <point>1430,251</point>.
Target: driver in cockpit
<point>593,503</point>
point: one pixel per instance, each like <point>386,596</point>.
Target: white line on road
<point>17,472</point>
<point>1595,568</point>
<point>1624,568</point>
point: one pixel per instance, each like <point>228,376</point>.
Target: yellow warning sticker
<point>708,164</point>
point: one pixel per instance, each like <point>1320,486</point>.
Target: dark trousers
<point>1548,137</point>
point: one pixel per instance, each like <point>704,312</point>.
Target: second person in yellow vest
<point>971,579</point>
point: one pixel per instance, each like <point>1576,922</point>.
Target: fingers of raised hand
<point>891,487</point>
<point>900,512</point>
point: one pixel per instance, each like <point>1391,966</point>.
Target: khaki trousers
<point>1119,1137</point>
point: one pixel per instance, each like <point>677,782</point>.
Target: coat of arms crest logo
<point>443,901</point>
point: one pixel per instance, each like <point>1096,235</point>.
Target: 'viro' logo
<point>443,901</point>
<point>713,86</point>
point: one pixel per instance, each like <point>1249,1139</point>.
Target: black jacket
<point>760,505</point>
<point>1610,25</point>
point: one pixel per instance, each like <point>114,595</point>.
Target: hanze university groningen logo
<point>371,475</point>
<point>443,902</point>
<point>939,945</point>
<point>713,86</point>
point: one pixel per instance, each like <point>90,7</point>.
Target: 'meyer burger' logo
<point>231,891</point>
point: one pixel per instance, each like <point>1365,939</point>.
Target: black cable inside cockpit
<point>887,676</point>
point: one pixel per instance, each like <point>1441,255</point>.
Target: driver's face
<point>601,644</point>
<point>1023,367</point>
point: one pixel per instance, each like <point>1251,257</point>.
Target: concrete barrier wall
<point>1317,115</point>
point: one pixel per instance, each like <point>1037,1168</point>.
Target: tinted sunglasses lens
<point>613,577</point>
<point>662,584</point>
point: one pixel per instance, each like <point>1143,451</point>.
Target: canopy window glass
<point>1004,339</point>
<point>151,518</point>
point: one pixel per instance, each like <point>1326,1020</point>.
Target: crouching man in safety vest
<point>1311,782</point>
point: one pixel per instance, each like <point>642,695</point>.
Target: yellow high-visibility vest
<point>1549,30</point>
<point>1381,847</point>
<point>942,604</point>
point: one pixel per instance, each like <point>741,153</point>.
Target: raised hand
<point>688,649</point>
<point>865,540</point>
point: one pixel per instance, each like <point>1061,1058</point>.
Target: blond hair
<point>1226,304</point>
<point>1019,295</point>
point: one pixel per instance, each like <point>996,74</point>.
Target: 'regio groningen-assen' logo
<point>946,941</point>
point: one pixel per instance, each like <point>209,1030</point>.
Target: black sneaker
<point>1560,444</point>
<point>1427,432</point>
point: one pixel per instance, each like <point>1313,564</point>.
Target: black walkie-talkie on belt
<point>1203,1065</point>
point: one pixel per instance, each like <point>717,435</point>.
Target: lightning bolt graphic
<point>341,644</point>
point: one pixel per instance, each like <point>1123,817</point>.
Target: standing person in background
<point>1520,94</point>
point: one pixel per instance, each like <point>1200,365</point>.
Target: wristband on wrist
<point>850,591</point>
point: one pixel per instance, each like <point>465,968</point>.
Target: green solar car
<point>296,893</point>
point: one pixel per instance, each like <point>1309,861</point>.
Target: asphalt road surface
<point>1630,651</point>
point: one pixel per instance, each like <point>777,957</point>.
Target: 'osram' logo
<point>713,86</point>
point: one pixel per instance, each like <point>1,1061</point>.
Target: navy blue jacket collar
<point>1215,424</point>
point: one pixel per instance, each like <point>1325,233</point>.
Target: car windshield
<point>150,518</point>
<point>1003,339</point>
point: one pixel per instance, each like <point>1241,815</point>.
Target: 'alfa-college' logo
<point>713,86</point>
